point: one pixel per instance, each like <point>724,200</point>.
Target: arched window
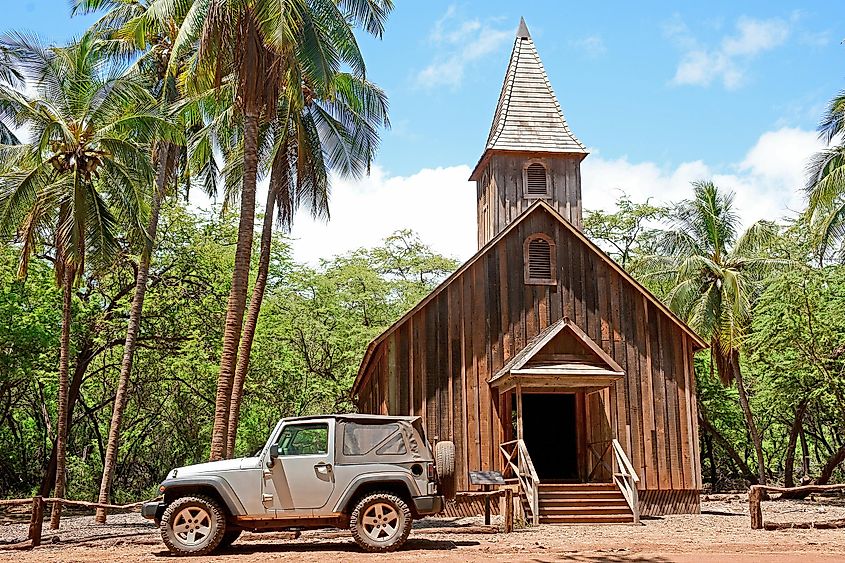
<point>535,180</point>
<point>539,258</point>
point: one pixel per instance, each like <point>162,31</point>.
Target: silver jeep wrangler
<point>373,474</point>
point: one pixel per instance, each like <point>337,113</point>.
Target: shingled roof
<point>528,116</point>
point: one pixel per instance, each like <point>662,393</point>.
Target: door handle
<point>323,468</point>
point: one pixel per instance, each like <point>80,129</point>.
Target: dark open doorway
<point>548,425</point>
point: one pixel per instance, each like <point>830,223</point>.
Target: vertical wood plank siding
<point>437,363</point>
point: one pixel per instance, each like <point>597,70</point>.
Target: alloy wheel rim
<point>381,522</point>
<point>192,526</point>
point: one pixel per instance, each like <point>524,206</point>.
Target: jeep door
<point>302,476</point>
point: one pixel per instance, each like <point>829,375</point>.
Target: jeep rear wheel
<point>193,526</point>
<point>381,522</point>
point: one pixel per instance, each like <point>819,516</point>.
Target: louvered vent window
<point>535,181</point>
<point>539,260</point>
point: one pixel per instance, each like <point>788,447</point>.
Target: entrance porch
<point>558,444</point>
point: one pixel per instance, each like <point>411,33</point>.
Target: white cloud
<point>458,44</point>
<point>440,205</point>
<point>592,45</point>
<point>767,182</point>
<point>728,62</point>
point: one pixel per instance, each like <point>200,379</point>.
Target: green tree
<point>714,277</point>
<point>248,43</point>
<point>628,231</point>
<point>82,176</point>
<point>798,331</point>
<point>825,186</point>
<point>150,67</point>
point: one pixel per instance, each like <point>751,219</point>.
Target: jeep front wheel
<point>193,526</point>
<point>381,522</point>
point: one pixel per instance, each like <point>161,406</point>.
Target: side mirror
<point>274,453</point>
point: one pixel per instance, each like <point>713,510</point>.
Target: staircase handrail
<point>526,474</point>
<point>626,479</point>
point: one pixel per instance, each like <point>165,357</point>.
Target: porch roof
<point>586,368</point>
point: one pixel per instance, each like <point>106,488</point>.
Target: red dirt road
<point>721,533</point>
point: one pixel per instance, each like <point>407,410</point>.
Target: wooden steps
<point>583,503</point>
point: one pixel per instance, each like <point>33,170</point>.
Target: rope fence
<point>36,519</point>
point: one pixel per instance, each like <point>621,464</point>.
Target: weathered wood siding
<point>437,363</point>
<point>501,197</point>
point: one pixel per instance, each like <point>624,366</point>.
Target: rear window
<point>361,439</point>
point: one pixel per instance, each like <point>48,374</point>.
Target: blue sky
<point>661,92</point>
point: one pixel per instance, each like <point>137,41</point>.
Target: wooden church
<point>541,357</point>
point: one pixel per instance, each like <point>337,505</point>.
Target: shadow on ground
<point>414,544</point>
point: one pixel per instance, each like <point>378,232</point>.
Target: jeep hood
<point>214,467</point>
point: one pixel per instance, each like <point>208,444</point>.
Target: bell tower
<point>530,154</point>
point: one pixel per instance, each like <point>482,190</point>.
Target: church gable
<point>498,271</point>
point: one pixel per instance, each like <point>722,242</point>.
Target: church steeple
<point>530,152</point>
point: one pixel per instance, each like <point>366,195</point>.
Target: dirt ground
<point>721,533</point>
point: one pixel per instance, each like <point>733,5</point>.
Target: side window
<point>304,439</point>
<point>361,439</point>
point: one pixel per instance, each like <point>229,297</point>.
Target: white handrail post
<point>626,479</point>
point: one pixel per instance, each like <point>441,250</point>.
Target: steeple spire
<point>530,153</point>
<point>522,31</point>
<point>528,116</point>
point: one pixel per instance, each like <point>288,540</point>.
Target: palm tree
<point>150,66</point>
<point>714,276</point>
<point>317,133</point>
<point>10,77</point>
<point>825,186</point>
<point>246,43</point>
<point>81,177</point>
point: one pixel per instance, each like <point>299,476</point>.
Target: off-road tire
<point>216,523</point>
<point>444,460</point>
<point>361,522</point>
<point>229,538</point>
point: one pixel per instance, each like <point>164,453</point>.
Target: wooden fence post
<point>755,495</point>
<point>508,511</point>
<point>36,520</point>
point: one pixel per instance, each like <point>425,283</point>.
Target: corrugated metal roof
<point>528,116</point>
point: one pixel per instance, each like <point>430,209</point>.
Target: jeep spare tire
<point>444,460</point>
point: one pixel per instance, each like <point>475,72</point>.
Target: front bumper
<point>428,505</point>
<point>152,510</point>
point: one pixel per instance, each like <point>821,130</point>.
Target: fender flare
<point>219,484</point>
<point>380,477</point>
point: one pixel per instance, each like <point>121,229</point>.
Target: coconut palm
<point>246,43</point>
<point>81,180</point>
<point>316,133</point>
<point>825,186</point>
<point>714,276</point>
<point>150,66</point>
<point>10,77</point>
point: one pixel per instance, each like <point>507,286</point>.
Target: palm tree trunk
<point>61,411</point>
<point>237,295</point>
<point>252,314</point>
<point>749,416</point>
<point>132,329</point>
